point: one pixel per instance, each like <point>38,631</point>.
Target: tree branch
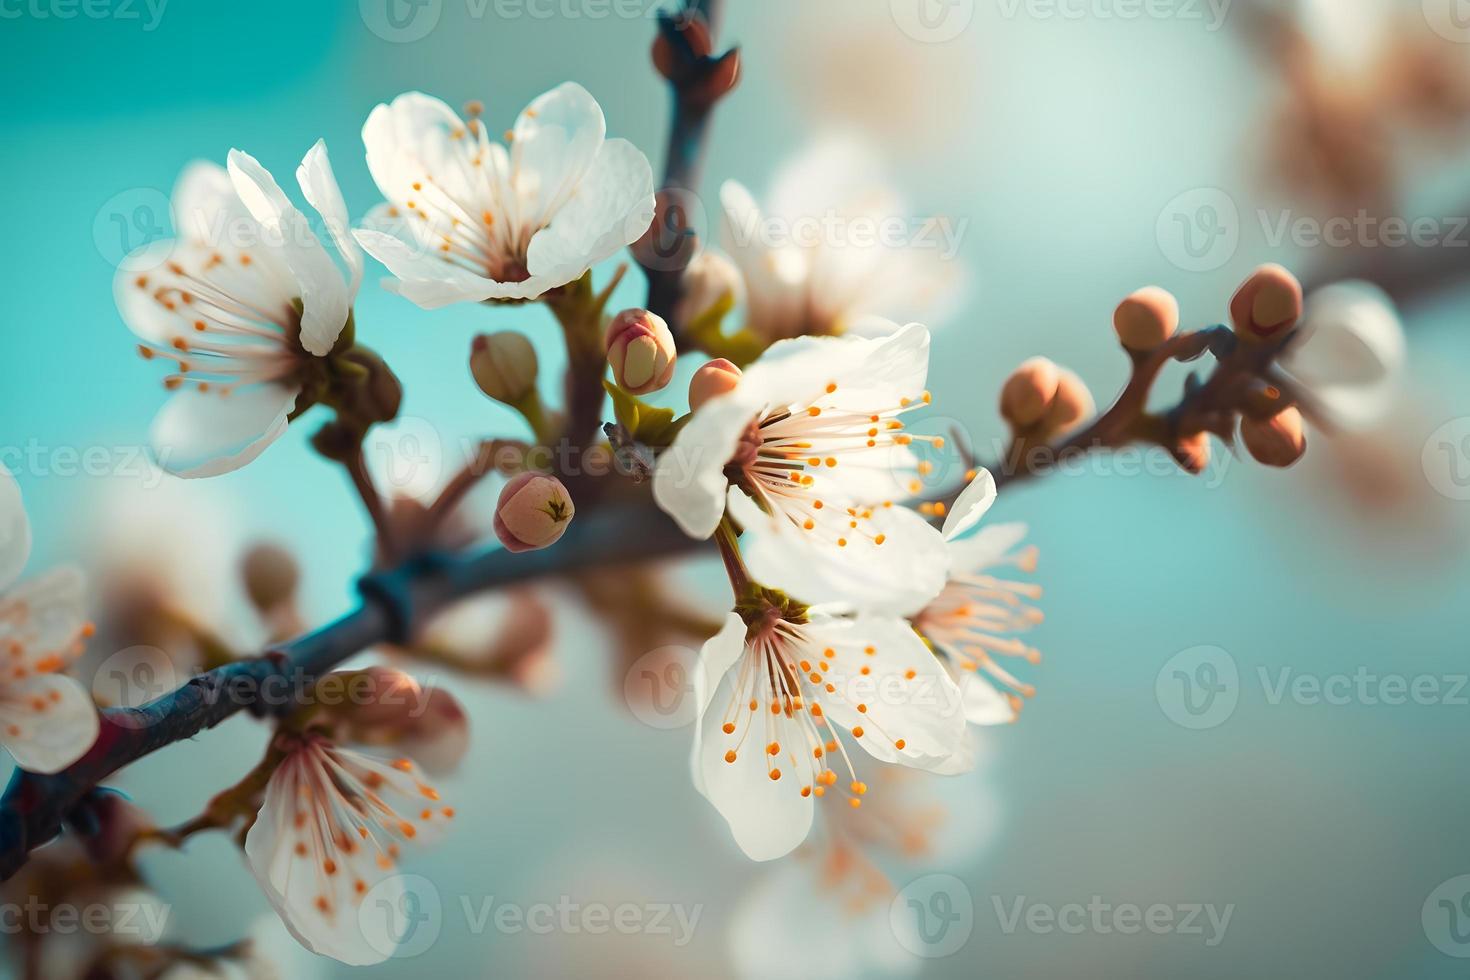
<point>698,79</point>
<point>396,604</point>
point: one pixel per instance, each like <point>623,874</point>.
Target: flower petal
<point>898,577</point>
<point>199,434</point>
<point>905,695</point>
<point>324,299</point>
<point>553,146</point>
<point>768,817</point>
<point>319,186</point>
<point>15,531</point>
<point>47,721</point>
<point>612,207</point>
<point>990,546</point>
<point>425,280</point>
<point>971,505</point>
<point>1350,352</point>
<point>689,480</point>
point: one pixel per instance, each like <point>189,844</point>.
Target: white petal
<point>42,619</point>
<point>1351,352</point>
<point>554,144</point>
<point>715,658</point>
<point>985,549</point>
<point>426,280</point>
<point>768,817</point>
<point>198,434</point>
<point>898,577</point>
<point>869,373</point>
<point>906,695</point>
<point>319,186</point>
<point>324,299</point>
<point>15,531</point>
<point>689,480</point>
<point>52,738</point>
<point>612,207</point>
<point>971,505</point>
<point>984,704</point>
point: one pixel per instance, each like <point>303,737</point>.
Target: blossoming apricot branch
<point>854,621</point>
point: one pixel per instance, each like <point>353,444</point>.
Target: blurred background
<point>1082,149</point>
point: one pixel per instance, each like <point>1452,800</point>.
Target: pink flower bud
<point>504,366</point>
<point>1070,406</point>
<point>1192,453</point>
<point>717,377</point>
<point>1267,305</point>
<point>641,350</point>
<point>534,511</point>
<point>1028,392</point>
<point>1146,319</point>
<point>1278,441</point>
<point>706,281</point>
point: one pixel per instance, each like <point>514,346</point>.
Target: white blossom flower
<point>243,303</point>
<point>47,720</point>
<point>1349,352</point>
<point>974,621</point>
<point>469,220</point>
<point>334,820</point>
<point>820,259</point>
<point>772,696</point>
<point>809,452</point>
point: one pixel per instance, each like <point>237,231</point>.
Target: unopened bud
<point>1278,441</point>
<point>1267,305</point>
<point>1192,452</point>
<point>504,366</point>
<point>534,511</point>
<point>1146,319</point>
<point>706,281</point>
<point>271,576</point>
<point>641,350</point>
<point>1070,406</point>
<point>717,377</point>
<point>1028,392</point>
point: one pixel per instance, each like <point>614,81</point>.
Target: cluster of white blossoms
<point>839,585</point>
<point>248,306</point>
<point>47,720</point>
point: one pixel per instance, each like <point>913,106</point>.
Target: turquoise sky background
<point>1060,143</point>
